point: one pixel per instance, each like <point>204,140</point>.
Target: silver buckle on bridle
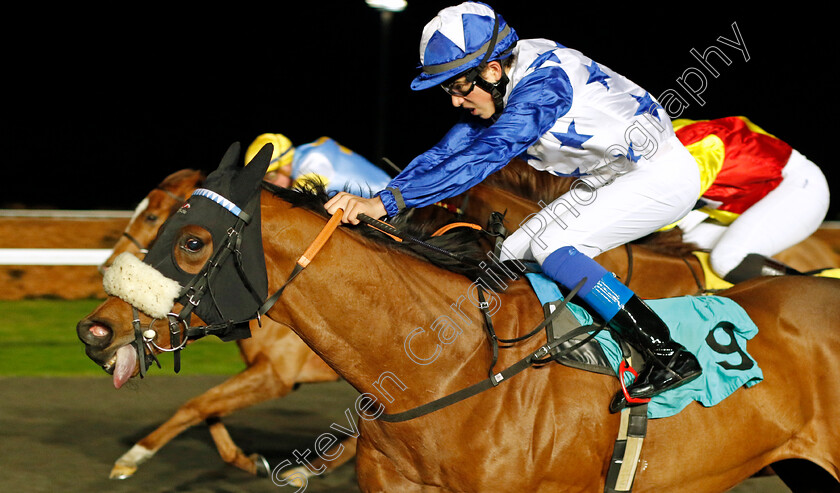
<point>173,321</point>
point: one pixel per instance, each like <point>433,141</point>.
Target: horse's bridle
<point>197,288</point>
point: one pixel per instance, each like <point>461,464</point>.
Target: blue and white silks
<point>564,113</point>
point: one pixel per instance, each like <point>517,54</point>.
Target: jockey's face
<point>280,177</point>
<point>476,100</point>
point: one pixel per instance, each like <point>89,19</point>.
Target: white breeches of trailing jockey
<point>595,216</point>
<point>787,215</point>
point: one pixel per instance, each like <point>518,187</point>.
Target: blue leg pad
<point>602,291</point>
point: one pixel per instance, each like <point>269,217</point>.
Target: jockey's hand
<point>354,205</point>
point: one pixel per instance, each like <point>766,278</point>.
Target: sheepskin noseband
<point>141,285</point>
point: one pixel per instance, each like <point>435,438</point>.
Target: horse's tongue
<point>126,361</point>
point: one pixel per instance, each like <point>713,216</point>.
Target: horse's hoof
<point>121,471</point>
<point>293,476</point>
<point>263,469</point>
<point>126,466</point>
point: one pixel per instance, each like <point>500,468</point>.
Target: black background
<point>100,105</point>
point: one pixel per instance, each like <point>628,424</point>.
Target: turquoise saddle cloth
<point>713,328</point>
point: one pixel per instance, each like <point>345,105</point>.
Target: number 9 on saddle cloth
<point>713,328</point>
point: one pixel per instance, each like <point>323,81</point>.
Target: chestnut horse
<point>548,430</point>
<point>276,360</point>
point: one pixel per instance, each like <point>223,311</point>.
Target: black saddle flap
<point>589,357</point>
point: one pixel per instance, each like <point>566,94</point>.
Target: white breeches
<point>787,215</point>
<point>594,217</point>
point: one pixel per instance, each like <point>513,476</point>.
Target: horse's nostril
<point>99,331</point>
<point>94,334</point>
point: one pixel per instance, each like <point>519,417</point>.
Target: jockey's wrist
<point>389,201</point>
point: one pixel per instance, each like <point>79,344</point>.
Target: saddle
<point>714,283</point>
<point>577,351</point>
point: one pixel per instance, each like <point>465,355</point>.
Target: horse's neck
<point>385,321</point>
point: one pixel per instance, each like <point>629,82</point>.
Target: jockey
<point>325,160</point>
<point>759,196</point>
<point>567,115</point>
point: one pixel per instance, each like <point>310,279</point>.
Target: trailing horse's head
<point>150,214</point>
<point>187,265</point>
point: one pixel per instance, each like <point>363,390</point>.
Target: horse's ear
<point>231,156</point>
<point>249,178</point>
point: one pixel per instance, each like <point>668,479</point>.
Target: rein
<point>392,231</point>
<point>304,259</point>
<point>700,288</point>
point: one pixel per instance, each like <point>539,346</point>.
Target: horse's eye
<point>152,218</point>
<point>192,245</point>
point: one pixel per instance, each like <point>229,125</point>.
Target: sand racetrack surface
<point>63,434</point>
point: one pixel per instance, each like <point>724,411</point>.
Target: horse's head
<point>153,210</point>
<point>182,272</point>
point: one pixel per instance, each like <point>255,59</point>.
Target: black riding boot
<point>755,265</point>
<point>667,363</point>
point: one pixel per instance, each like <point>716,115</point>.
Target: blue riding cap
<point>458,39</point>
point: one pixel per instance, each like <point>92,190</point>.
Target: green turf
<point>38,337</point>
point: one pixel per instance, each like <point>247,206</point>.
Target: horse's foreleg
<point>344,451</point>
<point>255,384</point>
<point>228,450</point>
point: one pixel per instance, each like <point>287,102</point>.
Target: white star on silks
<point>647,105</point>
<point>572,138</point>
<point>597,75</point>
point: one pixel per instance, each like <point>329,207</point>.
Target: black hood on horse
<point>228,206</point>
